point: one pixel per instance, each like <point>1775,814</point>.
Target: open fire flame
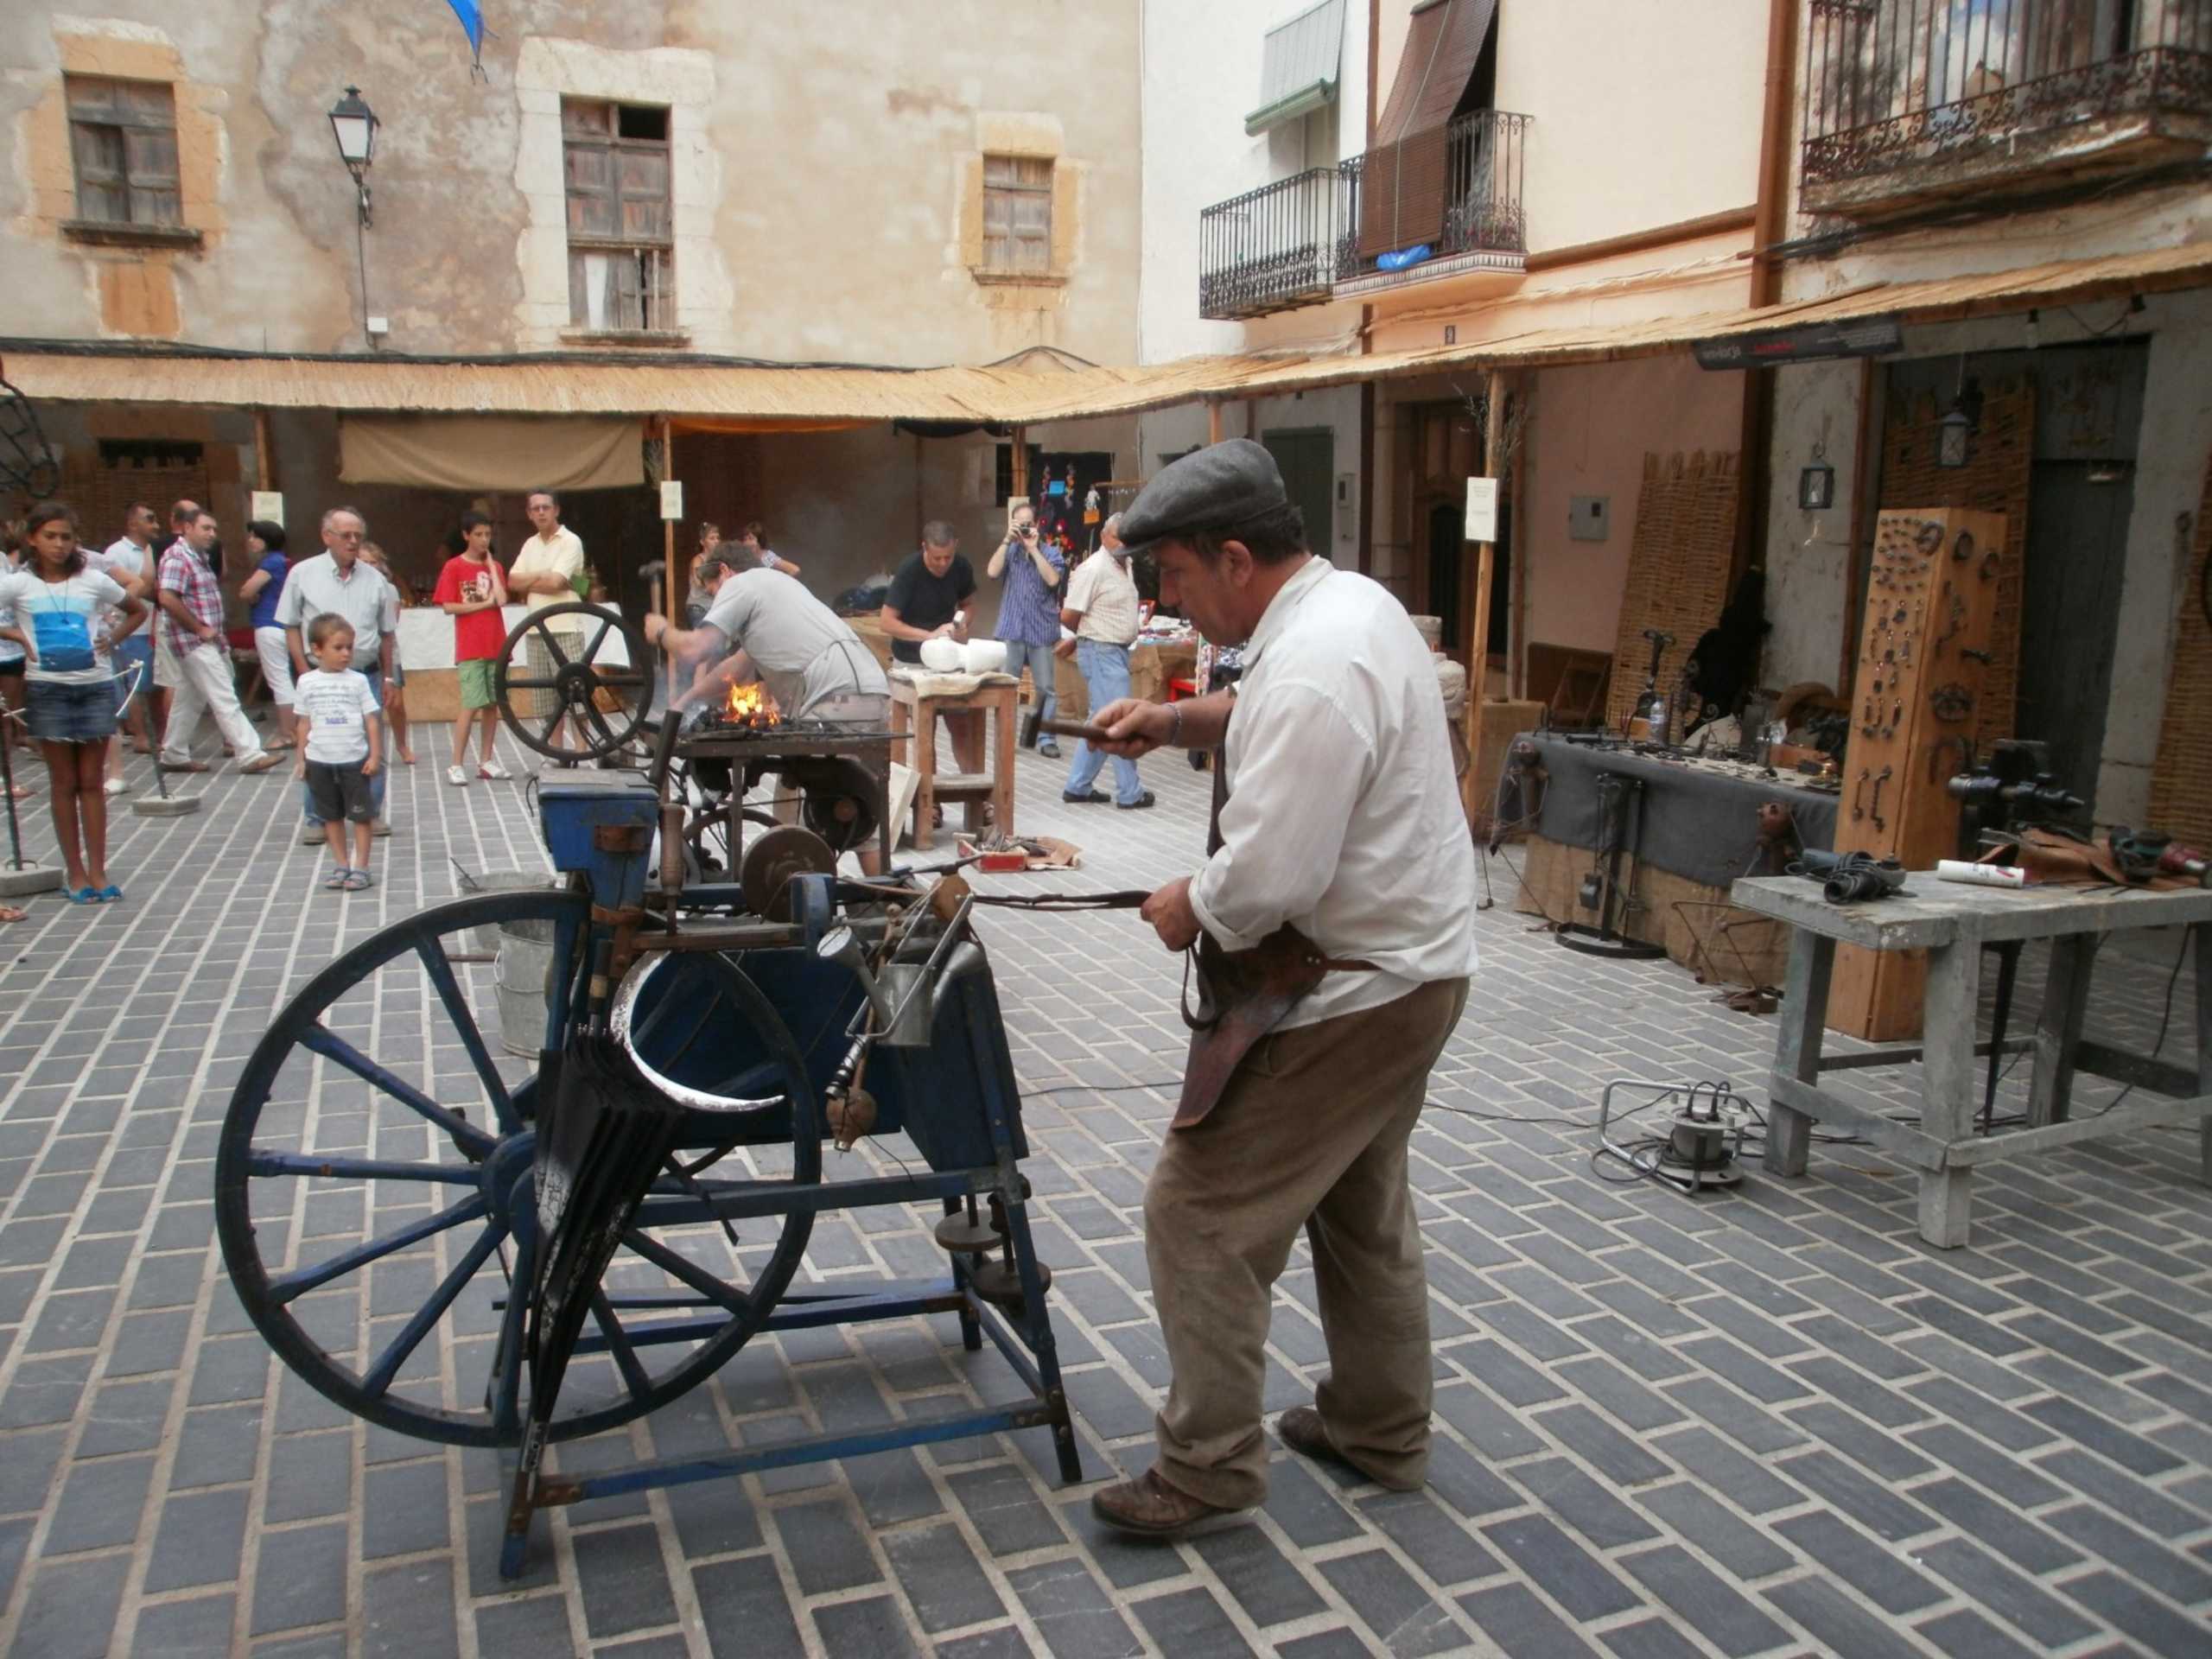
<point>751,709</point>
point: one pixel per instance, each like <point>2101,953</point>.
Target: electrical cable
<point>2166,1019</point>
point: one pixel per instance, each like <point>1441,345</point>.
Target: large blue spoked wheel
<point>373,1194</point>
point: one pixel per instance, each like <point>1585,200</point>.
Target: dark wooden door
<point>2069,620</point>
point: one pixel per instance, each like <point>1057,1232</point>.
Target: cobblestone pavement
<point>1765,1422</point>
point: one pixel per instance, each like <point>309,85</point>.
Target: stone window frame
<point>1027,136</point>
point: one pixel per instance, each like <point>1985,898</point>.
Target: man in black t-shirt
<point>926,600</point>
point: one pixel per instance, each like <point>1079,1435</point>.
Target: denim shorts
<point>63,713</point>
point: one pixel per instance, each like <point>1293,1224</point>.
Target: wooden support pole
<point>1021,463</point>
<point>1213,419</point>
<point>1485,564</point>
<point>264,461</point>
<point>1516,476</point>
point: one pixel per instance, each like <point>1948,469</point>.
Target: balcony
<point>1270,248</point>
<point>1906,104</point>
<point>1303,241</point>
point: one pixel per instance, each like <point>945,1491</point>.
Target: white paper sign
<point>269,505</point>
<point>671,498</point>
<point>1482,509</point>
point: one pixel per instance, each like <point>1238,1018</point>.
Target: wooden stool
<point>914,716</point>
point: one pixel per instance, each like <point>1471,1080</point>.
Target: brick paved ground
<point>1769,1422</point>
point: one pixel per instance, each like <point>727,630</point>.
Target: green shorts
<point>476,691</point>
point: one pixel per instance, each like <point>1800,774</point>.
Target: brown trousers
<point>1311,1132</point>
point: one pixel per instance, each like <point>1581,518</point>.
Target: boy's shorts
<point>476,688</point>
<point>340,792</point>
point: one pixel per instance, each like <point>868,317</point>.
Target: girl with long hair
<point>61,608</point>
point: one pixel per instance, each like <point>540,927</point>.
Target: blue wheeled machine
<point>490,1251</point>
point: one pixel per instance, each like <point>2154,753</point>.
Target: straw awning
<point>712,392</point>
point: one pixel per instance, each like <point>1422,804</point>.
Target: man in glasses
<point>338,579</point>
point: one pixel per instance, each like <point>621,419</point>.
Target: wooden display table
<point>1952,923</point>
<point>914,714</point>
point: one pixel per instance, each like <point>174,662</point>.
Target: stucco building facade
<point>665,184</point>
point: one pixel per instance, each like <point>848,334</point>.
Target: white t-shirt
<point>123,557</point>
<point>338,709</point>
<point>67,623</point>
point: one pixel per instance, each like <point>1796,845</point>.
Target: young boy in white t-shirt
<point>341,746</point>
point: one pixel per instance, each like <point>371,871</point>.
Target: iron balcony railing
<point>1269,249</point>
<point>1897,83</point>
<point>1485,158</point>
<point>1288,244</point>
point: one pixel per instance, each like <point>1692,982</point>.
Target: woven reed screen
<point>1677,569</point>
<point>1994,479</point>
<point>2181,778</point>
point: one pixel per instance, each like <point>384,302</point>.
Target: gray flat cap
<point>1223,484</point>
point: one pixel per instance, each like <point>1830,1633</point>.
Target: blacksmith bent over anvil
<point>1333,922</point>
<point>802,651</point>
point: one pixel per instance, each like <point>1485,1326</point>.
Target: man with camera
<point>1029,613</point>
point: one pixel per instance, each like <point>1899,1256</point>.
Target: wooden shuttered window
<point>621,241</point>
<point>1018,214</point>
<point>123,139</point>
<point>1403,183</point>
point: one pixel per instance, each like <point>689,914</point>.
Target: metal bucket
<point>522,955</point>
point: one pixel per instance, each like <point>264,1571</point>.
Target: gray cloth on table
<point>1696,824</point>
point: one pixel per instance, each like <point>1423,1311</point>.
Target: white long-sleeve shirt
<point>1344,816</point>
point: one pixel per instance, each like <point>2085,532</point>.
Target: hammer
<point>1034,722</point>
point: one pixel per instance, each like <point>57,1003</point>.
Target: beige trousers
<point>1311,1132</point>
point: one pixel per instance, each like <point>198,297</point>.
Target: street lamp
<point>355,123</point>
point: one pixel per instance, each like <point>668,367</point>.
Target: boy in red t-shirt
<point>472,588</point>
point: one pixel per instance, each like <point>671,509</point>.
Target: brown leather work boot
<point>1149,1506</point>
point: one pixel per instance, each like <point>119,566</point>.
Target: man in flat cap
<point>1337,836</point>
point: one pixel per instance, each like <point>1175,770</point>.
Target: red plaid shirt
<point>185,574</point>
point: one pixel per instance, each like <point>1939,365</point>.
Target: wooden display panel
<point>1915,703</point>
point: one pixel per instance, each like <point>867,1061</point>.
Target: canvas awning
<point>491,452</point>
<point>1300,63</point>
<point>151,376</point>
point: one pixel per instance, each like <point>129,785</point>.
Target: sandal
<point>183,765</point>
<point>9,913</point>
<point>335,881</point>
<point>110,894</point>
<point>358,880</point>
<point>81,895</point>
<point>21,792</point>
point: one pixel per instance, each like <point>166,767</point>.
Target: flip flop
<point>80,895</point>
<point>183,765</point>
<point>110,894</point>
<point>9,913</point>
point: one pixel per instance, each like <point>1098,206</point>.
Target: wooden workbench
<point>1952,923</point>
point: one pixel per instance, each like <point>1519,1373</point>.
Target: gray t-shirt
<point>803,649</point>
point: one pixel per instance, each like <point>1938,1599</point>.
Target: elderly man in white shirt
<point>339,580</point>
<point>1337,816</point>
